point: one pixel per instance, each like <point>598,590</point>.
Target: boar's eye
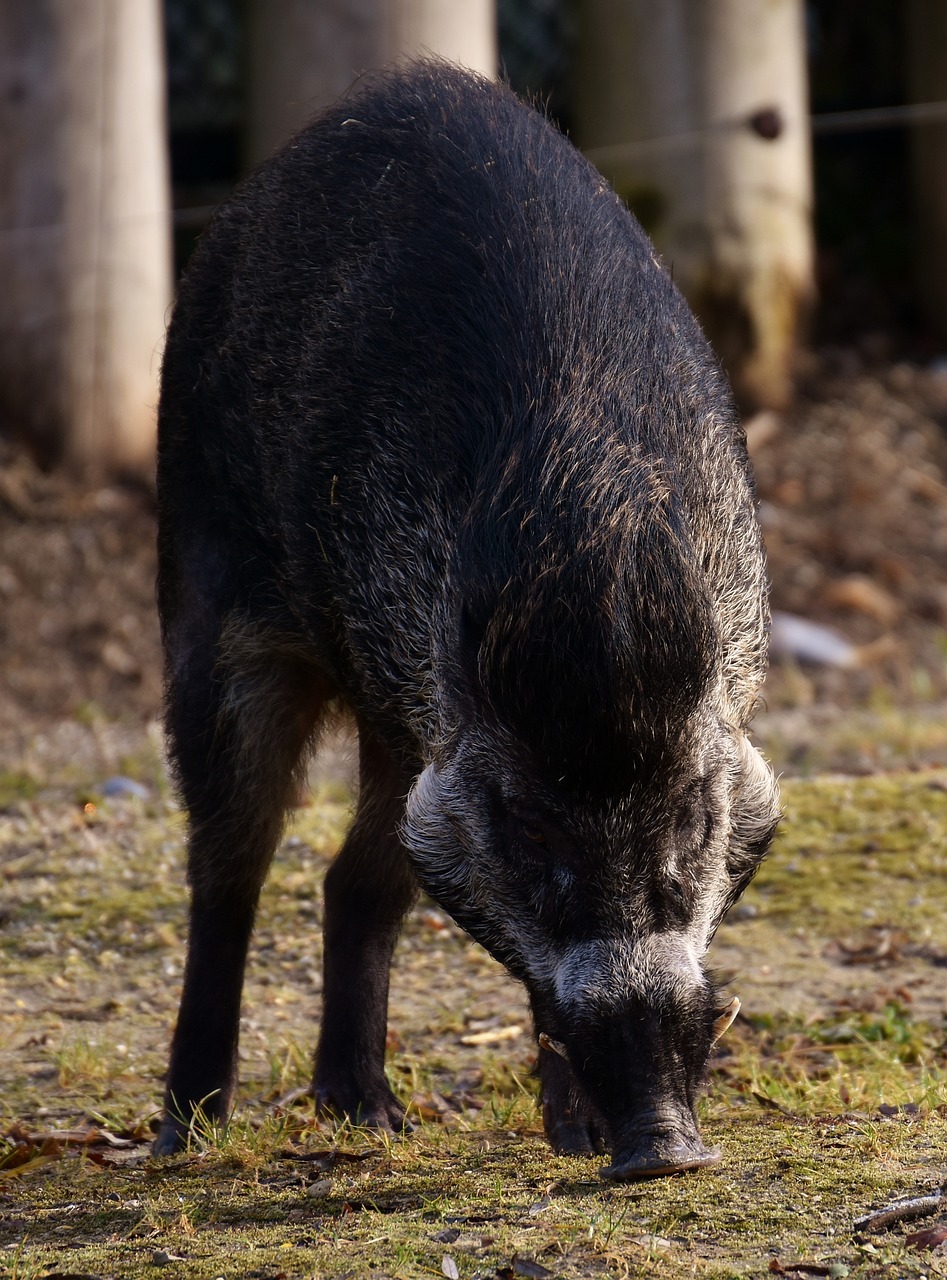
<point>687,820</point>
<point>541,841</point>
<point>694,821</point>
<point>533,832</point>
<point>673,905</point>
<point>529,831</point>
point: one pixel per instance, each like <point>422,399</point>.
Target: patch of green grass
<point>82,1060</point>
<point>888,735</point>
<point>820,1112</point>
<point>853,851</point>
<point>841,1063</point>
<point>16,786</point>
<point>260,1204</point>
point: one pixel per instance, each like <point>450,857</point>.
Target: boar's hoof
<point>575,1133</point>
<point>383,1112</point>
<point>571,1123</point>
<point>656,1157</point>
<point>171,1138</point>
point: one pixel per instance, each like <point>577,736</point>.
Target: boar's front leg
<point>570,1121</point>
<point>238,733</point>
<point>368,889</point>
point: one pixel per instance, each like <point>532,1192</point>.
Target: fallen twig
<point>900,1211</point>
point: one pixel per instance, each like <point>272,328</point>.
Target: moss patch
<point>828,1096</point>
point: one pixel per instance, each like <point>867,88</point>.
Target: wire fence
<point>205,44</point>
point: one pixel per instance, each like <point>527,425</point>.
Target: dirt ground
<point>839,942</point>
<point>826,1097</point>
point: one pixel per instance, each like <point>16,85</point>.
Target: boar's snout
<point>659,1141</point>
<point>637,1024</point>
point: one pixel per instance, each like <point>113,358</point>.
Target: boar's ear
<point>755,815</point>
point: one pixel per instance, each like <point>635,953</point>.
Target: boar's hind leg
<point>569,1119</point>
<point>367,891</point>
<point>239,718</point>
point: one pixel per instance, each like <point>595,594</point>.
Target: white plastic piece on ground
<point>795,637</point>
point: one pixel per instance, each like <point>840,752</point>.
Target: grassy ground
<point>828,1097</point>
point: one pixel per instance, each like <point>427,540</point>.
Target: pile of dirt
<point>77,572</point>
<point>853,489</point>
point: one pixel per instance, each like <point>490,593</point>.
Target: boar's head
<point>604,908</point>
<point>591,811</point>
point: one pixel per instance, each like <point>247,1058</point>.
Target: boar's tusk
<point>556,1046</point>
<point>724,1018</point>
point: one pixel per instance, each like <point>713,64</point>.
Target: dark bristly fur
<point>440,441</point>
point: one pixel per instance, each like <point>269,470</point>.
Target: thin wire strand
<point>829,122</point>
<point>825,123</point>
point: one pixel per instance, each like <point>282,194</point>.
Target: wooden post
<point>698,114</point>
<point>85,249</point>
<point>304,55</point>
<point>927,72</point>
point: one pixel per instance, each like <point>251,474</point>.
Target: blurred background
<point>789,160</point>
